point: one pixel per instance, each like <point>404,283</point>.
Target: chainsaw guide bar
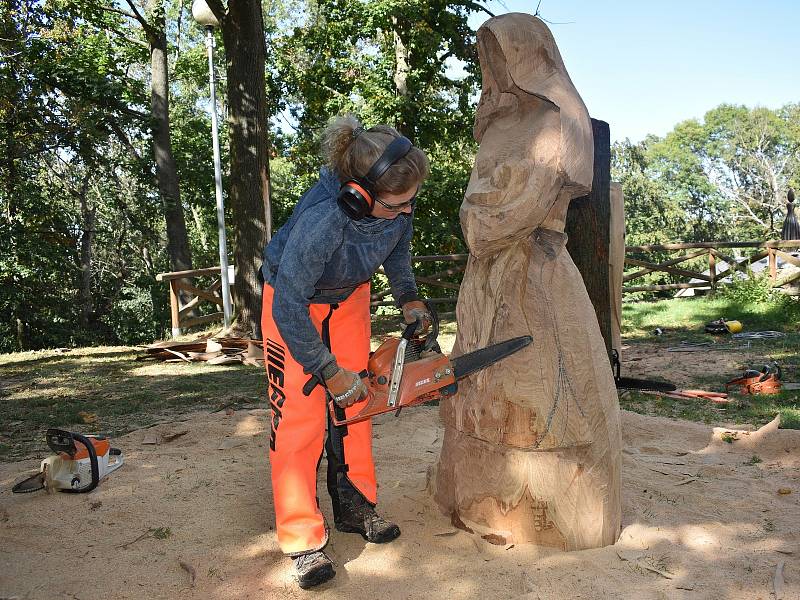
<point>34,483</point>
<point>395,381</point>
<point>469,363</point>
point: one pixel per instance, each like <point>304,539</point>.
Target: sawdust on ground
<point>192,518</point>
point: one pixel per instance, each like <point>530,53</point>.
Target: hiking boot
<point>359,516</point>
<point>313,568</point>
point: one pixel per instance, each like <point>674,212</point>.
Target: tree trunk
<point>588,232</point>
<point>11,44</point>
<point>616,264</point>
<point>245,54</point>
<point>87,237</point>
<point>402,68</point>
<point>180,254</point>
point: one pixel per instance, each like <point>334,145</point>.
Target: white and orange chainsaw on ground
<point>73,469</point>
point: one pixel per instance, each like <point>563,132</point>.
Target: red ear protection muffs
<point>357,196</point>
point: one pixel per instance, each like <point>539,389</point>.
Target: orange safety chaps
<point>299,424</point>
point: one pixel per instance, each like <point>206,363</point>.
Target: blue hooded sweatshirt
<point>321,255</point>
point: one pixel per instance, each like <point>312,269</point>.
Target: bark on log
<point>588,232</point>
<point>178,247</point>
<point>532,444</point>
<point>245,55</point>
<point>616,264</point>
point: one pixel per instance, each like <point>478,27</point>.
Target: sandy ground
<point>700,520</point>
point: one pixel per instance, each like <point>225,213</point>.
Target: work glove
<point>417,311</point>
<point>346,388</point>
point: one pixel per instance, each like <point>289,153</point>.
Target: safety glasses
<point>398,207</point>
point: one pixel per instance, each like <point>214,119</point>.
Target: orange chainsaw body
<point>428,378</point>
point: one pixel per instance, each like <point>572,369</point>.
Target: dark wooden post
<point>588,228</point>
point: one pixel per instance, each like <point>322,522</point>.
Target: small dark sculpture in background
<point>791,226</point>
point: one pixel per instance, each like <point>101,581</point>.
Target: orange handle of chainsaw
<point>373,404</point>
<point>424,380</point>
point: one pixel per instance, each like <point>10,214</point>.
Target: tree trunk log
<point>402,69</point>
<point>11,44</point>
<point>87,239</point>
<point>616,266</point>
<point>245,53</point>
<point>180,254</point>
<point>588,232</point>
<point>532,444</point>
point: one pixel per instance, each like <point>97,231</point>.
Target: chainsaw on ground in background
<point>765,381</point>
<point>72,469</point>
<point>410,371</point>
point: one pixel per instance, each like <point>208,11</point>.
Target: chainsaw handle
<point>768,370</point>
<point>433,334</point>
<point>92,462</point>
<point>371,402</point>
<point>312,382</point>
<point>410,329</point>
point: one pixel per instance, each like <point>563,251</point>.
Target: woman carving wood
<point>532,445</point>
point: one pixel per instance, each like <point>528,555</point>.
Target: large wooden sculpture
<point>531,451</point>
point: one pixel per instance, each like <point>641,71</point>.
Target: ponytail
<point>350,151</point>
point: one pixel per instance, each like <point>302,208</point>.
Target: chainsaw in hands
<point>409,371</point>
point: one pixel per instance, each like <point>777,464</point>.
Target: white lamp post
<point>205,17</point>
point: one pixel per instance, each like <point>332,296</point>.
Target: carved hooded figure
<point>532,444</point>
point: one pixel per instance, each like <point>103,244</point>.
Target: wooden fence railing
<point>181,286</point>
<point>713,253</point>
<point>433,279</point>
<point>185,297</point>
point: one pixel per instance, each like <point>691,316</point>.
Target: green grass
<point>683,320</point>
<point>750,410</point>
<point>49,389</point>
<point>689,315</point>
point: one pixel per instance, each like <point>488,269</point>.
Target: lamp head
<point>203,14</point>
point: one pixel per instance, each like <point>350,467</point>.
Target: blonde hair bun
<point>350,150</point>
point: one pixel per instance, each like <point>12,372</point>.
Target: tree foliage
<point>721,178</point>
<point>81,214</point>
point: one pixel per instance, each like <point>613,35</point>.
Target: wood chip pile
<point>214,351</point>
